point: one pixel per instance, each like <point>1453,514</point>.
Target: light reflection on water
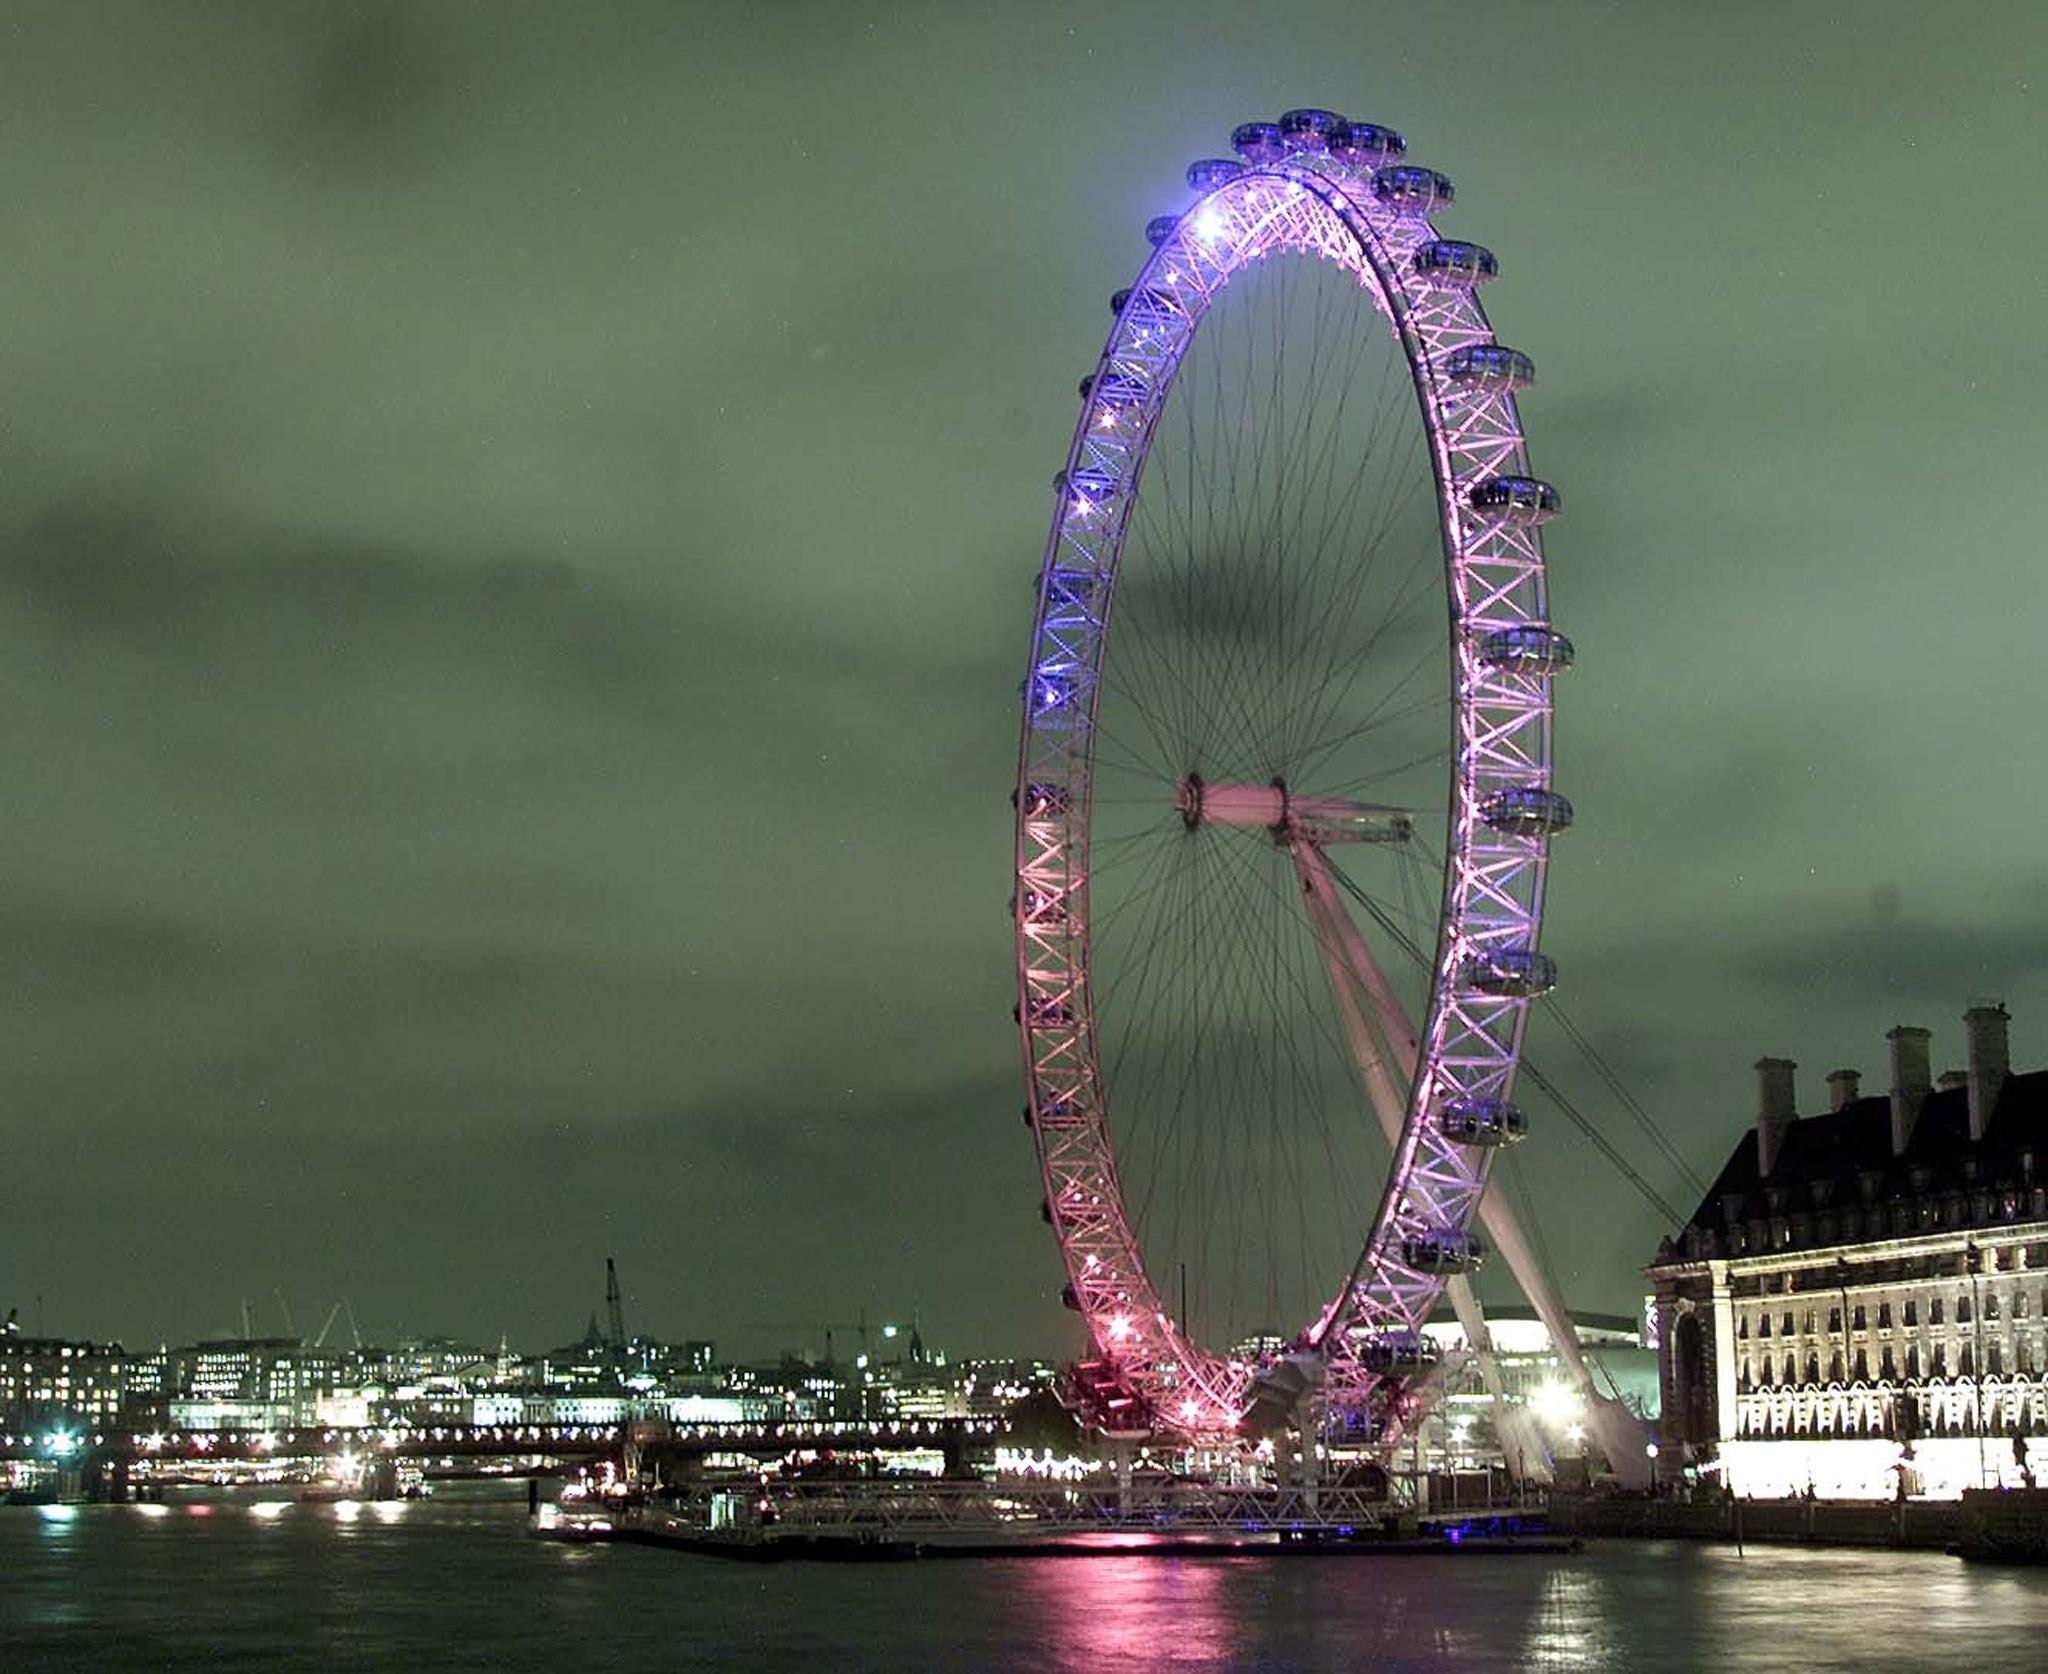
<point>283,1585</point>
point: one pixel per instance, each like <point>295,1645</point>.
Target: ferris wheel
<point>1280,840</point>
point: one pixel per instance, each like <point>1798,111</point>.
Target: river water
<point>449,1585</point>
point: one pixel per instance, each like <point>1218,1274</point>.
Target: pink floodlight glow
<point>1119,1328</point>
<point>1208,223</point>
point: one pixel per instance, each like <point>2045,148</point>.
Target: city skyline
<point>516,571</point>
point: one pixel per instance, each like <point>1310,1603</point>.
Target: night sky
<point>516,527</point>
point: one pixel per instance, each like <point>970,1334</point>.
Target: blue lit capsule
<point>1051,690</point>
<point>1442,1249</point>
<point>1526,811</point>
<point>1399,1353</point>
<point>1527,648</point>
<point>1045,1011</point>
<point>1144,302</point>
<point>1071,589</point>
<point>1488,366</point>
<point>1115,389</point>
<point>1040,800</point>
<point>1510,973</point>
<point>1309,130</point>
<point>1366,144</point>
<point>1090,483</point>
<point>1258,142</point>
<point>1518,500</point>
<point>1484,1122</point>
<point>1451,261</point>
<point>1212,172</point>
<point>1159,229</point>
<point>1408,189</point>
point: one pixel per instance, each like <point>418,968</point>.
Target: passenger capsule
<point>1509,973</point>
<point>1517,500</point>
<point>1397,1354</point>
<point>1091,482</point>
<point>1069,1298</point>
<point>1070,587</point>
<point>1114,389</point>
<point>1045,1011</point>
<point>1039,799</point>
<point>1488,366</point>
<point>1212,172</point>
<point>1144,302</point>
<point>1056,1113</point>
<point>1044,906</point>
<point>1366,144</point>
<point>1159,229</point>
<point>1409,190</point>
<point>1051,689</point>
<point>1484,1122</point>
<point>1309,130</point>
<point>1526,811</point>
<point>1451,261</point>
<point>1443,1249</point>
<point>1527,648</point>
<point>1258,142</point>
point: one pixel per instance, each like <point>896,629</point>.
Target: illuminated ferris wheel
<point>1280,843</point>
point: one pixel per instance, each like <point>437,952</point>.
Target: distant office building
<point>55,1384</point>
<point>1856,1308</point>
<point>240,1383</point>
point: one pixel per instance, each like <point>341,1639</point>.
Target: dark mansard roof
<point>1842,1159</point>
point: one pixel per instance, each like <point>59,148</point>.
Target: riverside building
<point>1856,1309</point>
<point>56,1384</point>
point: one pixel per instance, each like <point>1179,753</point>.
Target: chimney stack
<point>1845,1086</point>
<point>1951,1081</point>
<point>1776,1110</point>
<point>1911,1081</point>
<point>1990,1060</point>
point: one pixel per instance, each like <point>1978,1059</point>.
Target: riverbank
<point>1915,1525</point>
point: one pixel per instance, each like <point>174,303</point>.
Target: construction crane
<point>614,1310</point>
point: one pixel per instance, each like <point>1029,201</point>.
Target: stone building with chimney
<point>1857,1307</point>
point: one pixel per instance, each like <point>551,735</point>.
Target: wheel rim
<point>1169,729</point>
